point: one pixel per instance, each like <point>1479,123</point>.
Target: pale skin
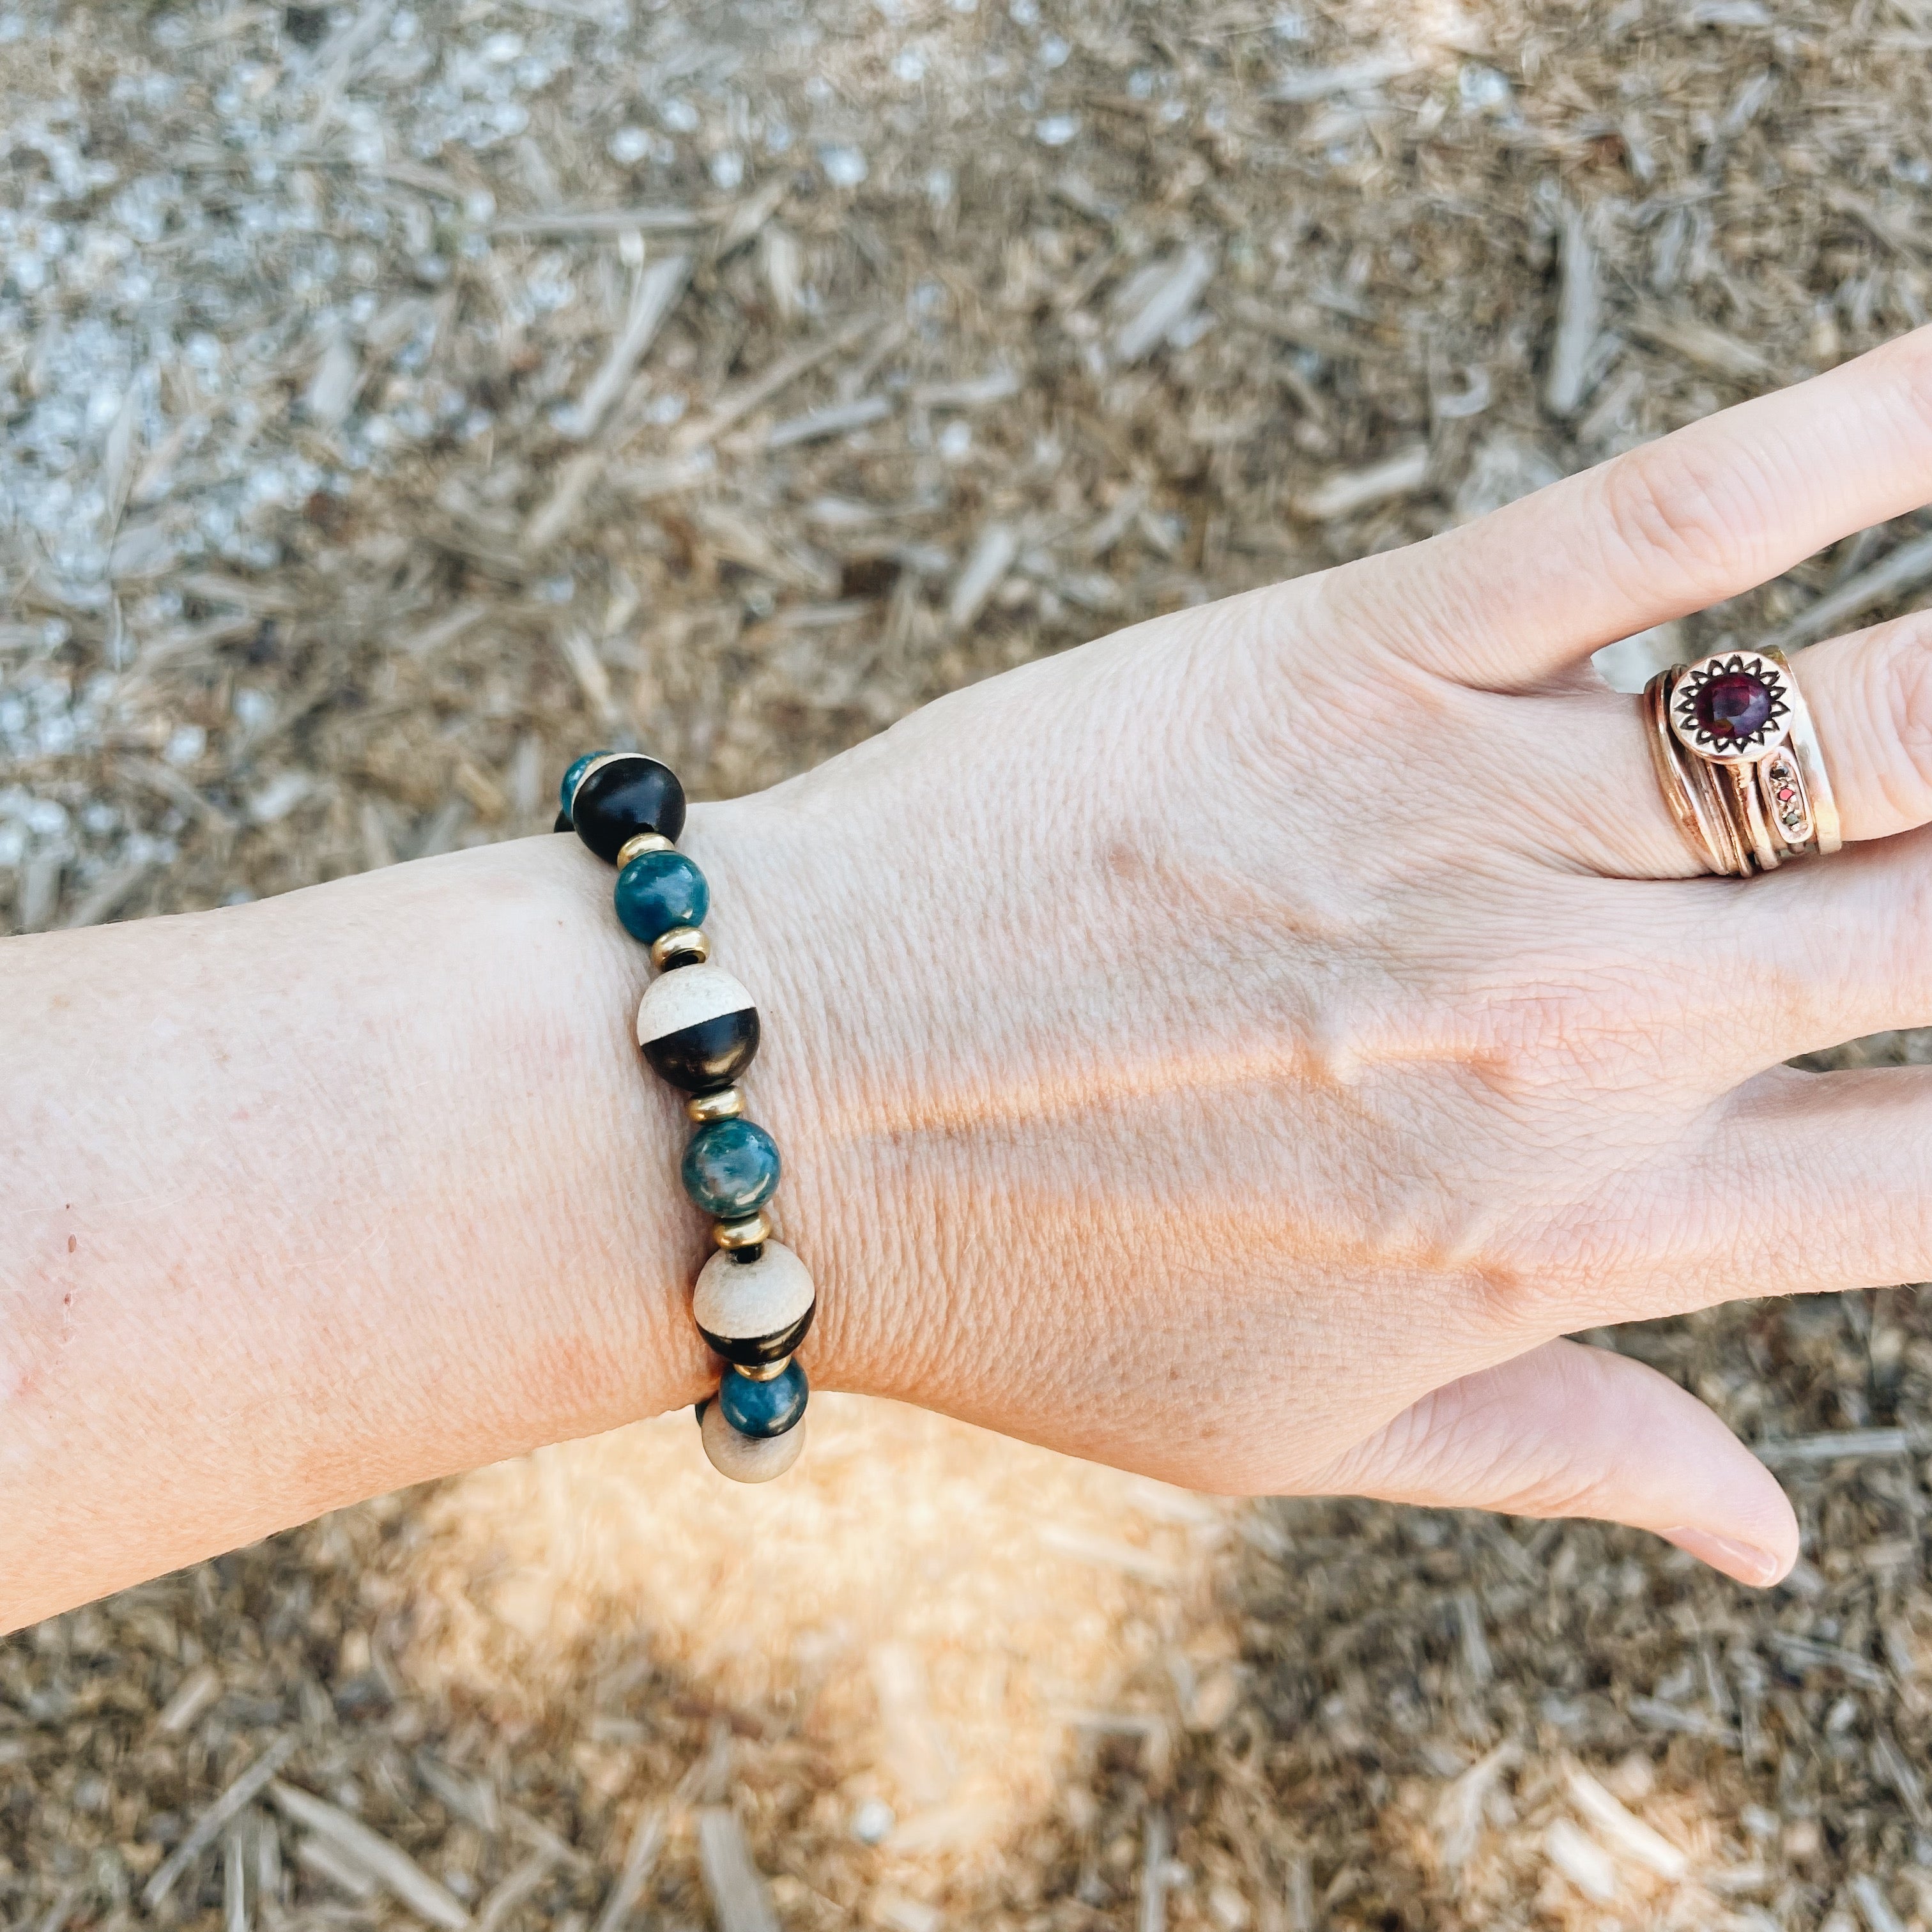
<point>1240,1050</point>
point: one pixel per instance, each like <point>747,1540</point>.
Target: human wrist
<point>781,922</point>
<point>600,1337</point>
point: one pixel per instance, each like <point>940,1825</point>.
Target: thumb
<point>1567,1430</point>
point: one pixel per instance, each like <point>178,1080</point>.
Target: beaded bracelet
<point>699,1030</point>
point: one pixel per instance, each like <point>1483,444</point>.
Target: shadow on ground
<point>940,1678</point>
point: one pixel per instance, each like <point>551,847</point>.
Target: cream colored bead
<point>753,1301</point>
<point>635,848</point>
<point>748,1459</point>
<point>727,1104</point>
<point>686,998</point>
<point>752,1232</point>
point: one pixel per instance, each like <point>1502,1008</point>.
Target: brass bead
<point>682,942</point>
<point>727,1104</point>
<point>748,1233</point>
<point>764,1372</point>
<point>635,848</point>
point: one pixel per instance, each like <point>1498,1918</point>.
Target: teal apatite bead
<point>730,1168</point>
<point>762,1409</point>
<point>658,890</point>
<point>567,790</point>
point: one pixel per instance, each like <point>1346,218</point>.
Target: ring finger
<point>1869,695</point>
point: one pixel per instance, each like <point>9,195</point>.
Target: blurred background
<point>396,399</point>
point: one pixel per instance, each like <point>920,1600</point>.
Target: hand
<point>1239,1050</point>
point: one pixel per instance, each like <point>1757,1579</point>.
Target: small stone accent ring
<point>1739,762</point>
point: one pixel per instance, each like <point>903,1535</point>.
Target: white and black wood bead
<point>619,794</point>
<point>746,1459</point>
<point>697,1028</point>
<point>752,1311</point>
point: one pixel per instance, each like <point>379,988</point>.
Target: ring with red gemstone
<point>1733,707</point>
<point>1739,761</point>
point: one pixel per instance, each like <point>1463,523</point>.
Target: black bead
<point>697,1414</point>
<point>630,794</point>
<point>751,1351</point>
<point>563,823</point>
<point>712,1054</point>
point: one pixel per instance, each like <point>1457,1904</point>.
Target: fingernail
<point>1744,1561</point>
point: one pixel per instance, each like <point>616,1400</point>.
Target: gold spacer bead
<point>682,942</point>
<point>635,848</point>
<point>745,1234</point>
<point>764,1372</point>
<point>727,1104</point>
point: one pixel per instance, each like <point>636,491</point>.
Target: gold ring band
<point>1748,812</point>
<point>1717,797</point>
<point>1808,749</point>
<point>1739,762</point>
<point>1683,795</point>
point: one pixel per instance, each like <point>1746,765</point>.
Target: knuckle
<point>1680,519</point>
<point>1505,1275</point>
<point>1565,1486</point>
<point>1535,1273</point>
<point>1535,1472</point>
<point>1524,1275</point>
<point>1564,1015</point>
<point>1509,1288</point>
<point>1463,1443</point>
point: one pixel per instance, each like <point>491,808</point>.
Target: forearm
<point>306,1200</point>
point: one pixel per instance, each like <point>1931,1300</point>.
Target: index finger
<point>1660,531</point>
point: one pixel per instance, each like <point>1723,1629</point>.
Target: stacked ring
<point>697,1029</point>
<point>1739,761</point>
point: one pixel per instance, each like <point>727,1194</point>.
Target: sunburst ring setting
<point>1739,761</point>
<point>1732,707</point>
